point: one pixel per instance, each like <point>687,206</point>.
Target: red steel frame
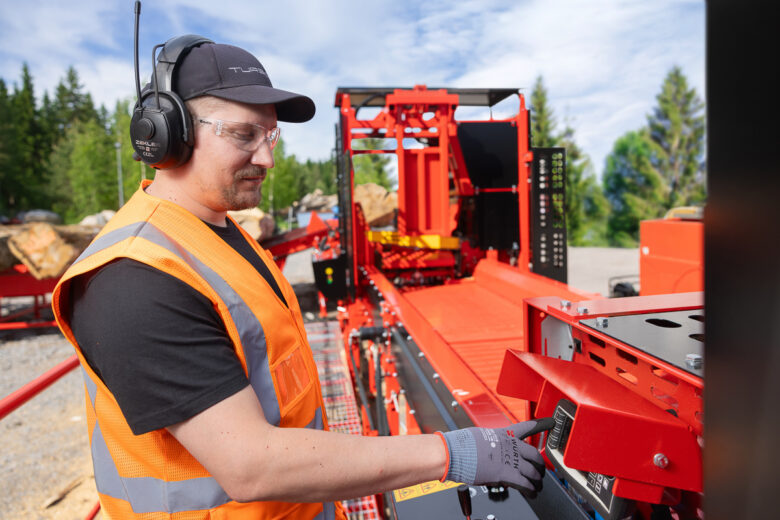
<point>17,281</point>
<point>281,246</point>
<point>426,204</point>
<point>623,400</point>
<point>622,403</point>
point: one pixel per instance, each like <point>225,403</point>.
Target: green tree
<point>71,104</point>
<point>585,205</point>
<point>6,148</point>
<point>317,175</point>
<point>26,176</point>
<point>132,171</point>
<point>676,129</point>
<point>635,189</point>
<point>92,170</point>
<point>372,167</point>
<point>280,188</point>
<point>67,117</point>
<point>542,118</point>
<point>596,209</point>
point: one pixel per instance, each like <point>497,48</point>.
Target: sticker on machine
<point>426,488</point>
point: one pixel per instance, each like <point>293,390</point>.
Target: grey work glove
<point>497,456</point>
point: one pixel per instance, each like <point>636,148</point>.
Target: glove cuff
<point>446,455</point>
<point>462,448</point>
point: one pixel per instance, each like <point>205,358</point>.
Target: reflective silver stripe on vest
<point>147,494</point>
<point>91,387</point>
<point>328,512</point>
<point>151,495</point>
<point>316,423</point>
<point>249,329</point>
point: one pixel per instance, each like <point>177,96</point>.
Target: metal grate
<point>339,398</point>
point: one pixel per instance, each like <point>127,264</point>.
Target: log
<point>7,258</point>
<point>48,250</point>
<point>255,221</point>
<point>379,206</point>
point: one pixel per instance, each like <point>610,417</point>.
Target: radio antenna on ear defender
<point>135,54</point>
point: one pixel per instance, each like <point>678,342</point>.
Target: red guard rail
<point>18,397</point>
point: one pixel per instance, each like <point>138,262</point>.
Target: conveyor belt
<point>478,325</point>
<point>339,398</point>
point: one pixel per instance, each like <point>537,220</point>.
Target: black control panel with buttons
<point>595,488</point>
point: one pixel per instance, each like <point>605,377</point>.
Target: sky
<point>603,61</point>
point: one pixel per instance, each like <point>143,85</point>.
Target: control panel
<point>595,488</point>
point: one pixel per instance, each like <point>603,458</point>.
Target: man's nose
<point>263,156</point>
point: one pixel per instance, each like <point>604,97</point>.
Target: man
<point>202,392</point>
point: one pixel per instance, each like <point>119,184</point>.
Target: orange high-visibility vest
<point>152,476</point>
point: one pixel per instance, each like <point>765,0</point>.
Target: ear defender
<point>161,126</point>
<point>161,134</point>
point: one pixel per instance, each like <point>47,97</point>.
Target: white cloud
<point>603,61</point>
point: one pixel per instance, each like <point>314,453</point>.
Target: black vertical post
<point>742,261</point>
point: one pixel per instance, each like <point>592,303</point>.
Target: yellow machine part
<point>420,241</point>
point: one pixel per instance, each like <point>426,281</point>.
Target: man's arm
<point>253,460</point>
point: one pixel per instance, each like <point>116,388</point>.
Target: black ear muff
<point>161,127</point>
<point>162,137</point>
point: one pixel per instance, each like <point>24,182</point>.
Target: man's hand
<point>498,456</point>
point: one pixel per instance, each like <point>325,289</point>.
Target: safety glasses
<point>245,136</point>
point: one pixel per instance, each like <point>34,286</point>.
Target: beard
<point>243,195</point>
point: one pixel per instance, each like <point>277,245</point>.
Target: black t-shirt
<point>157,343</point>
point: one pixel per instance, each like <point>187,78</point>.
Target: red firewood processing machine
<point>460,315</point>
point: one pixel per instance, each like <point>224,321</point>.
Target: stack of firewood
<point>46,249</point>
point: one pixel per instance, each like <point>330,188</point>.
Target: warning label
<point>426,488</point>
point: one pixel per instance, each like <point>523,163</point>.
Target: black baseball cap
<point>231,73</point>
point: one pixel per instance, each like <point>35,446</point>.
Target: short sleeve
<point>157,343</point>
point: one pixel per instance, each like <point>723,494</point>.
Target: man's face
<point>223,177</point>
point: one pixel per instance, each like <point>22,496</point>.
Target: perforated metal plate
<point>670,336</point>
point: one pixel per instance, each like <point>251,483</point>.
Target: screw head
<point>602,322</point>
<point>694,360</point>
<point>420,354</point>
<point>454,404</point>
<point>436,375</point>
<point>582,310</point>
<point>660,460</point>
<point>565,304</point>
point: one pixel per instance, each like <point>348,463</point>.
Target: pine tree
<point>676,131</point>
<point>27,175</point>
<point>635,189</point>
<point>71,103</point>
<point>581,185</point>
<point>542,118</point>
<point>6,149</point>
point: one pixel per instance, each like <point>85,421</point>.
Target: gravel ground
<point>44,443</point>
<point>45,450</point>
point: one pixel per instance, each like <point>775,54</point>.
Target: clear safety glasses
<point>245,136</point>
